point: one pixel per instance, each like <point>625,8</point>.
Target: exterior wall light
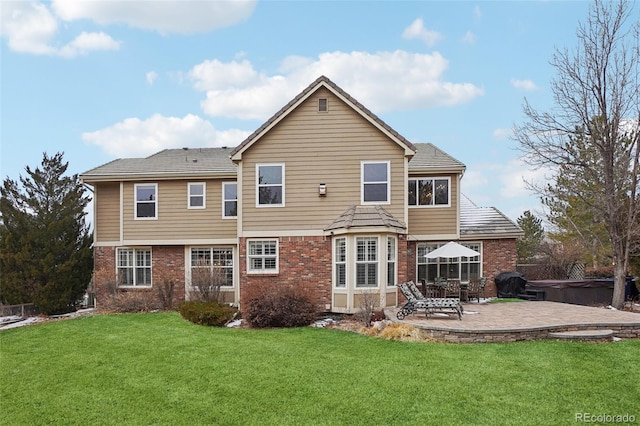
<point>322,189</point>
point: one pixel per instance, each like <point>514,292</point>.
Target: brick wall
<point>305,263</point>
<point>167,264</point>
<point>498,256</point>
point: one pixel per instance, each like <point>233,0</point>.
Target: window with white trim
<point>229,199</point>
<point>213,265</point>
<point>391,261</point>
<point>134,267</point>
<point>430,192</point>
<point>340,262</point>
<point>463,268</point>
<point>375,182</point>
<point>146,201</point>
<point>197,195</point>
<point>262,256</point>
<point>270,185</point>
<point>367,262</point>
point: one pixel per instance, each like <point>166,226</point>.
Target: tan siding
<point>436,220</point>
<point>175,221</point>
<point>319,148</point>
<point>107,208</point>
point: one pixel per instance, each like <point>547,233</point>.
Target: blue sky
<point>109,79</point>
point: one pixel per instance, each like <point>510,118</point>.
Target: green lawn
<point>160,369</point>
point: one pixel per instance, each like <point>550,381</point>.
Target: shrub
<point>130,302</point>
<point>209,313</point>
<point>280,307</point>
<point>164,291</point>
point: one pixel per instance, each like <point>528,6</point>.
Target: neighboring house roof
<point>322,81</point>
<point>167,164</point>
<point>477,222</point>
<point>366,216</point>
<point>429,159</point>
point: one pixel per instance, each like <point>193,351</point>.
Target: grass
<point>161,369</point>
<point>505,300</point>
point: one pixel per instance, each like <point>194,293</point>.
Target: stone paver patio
<point>492,322</point>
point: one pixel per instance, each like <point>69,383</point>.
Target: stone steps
<point>590,335</point>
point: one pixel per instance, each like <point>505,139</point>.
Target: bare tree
<point>593,129</point>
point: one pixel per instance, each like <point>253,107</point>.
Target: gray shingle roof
<point>430,158</point>
<point>485,221</point>
<point>168,163</point>
<point>366,216</point>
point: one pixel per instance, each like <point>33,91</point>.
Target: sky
<point>100,80</point>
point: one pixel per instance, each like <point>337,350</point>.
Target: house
<point>324,196</point>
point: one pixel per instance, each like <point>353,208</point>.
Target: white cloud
<point>502,134</point>
<point>417,30</point>
<point>527,85</point>
<point>133,137</point>
<point>30,27</point>
<point>477,13</point>
<point>151,76</point>
<point>183,17</point>
<point>383,81</point>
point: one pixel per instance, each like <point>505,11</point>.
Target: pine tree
<point>528,245</point>
<point>45,244</point>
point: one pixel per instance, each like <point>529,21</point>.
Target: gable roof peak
<point>322,81</point>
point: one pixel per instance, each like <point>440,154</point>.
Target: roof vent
<point>185,148</point>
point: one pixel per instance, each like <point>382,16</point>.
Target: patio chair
<point>473,290</point>
<point>452,289</point>
<point>430,305</point>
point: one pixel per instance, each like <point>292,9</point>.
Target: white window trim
<point>204,195</point>
<point>362,183</point>
<point>336,263</point>
<point>210,249</point>
<point>258,205</point>
<point>224,200</point>
<point>134,249</point>
<point>357,262</point>
<point>263,271</point>
<point>135,201</point>
<point>394,261</point>
<point>432,206</point>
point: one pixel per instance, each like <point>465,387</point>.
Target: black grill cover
<point>510,284</point>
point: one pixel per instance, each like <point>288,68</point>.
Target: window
<point>464,268</point>
<point>323,105</point>
<point>229,199</point>
<point>375,182</point>
<point>366,262</point>
<point>340,260</point>
<point>429,192</point>
<point>212,265</point>
<point>391,261</point>
<point>197,193</point>
<point>262,256</point>
<point>146,202</point>
<point>270,184</point>
<point>134,267</point>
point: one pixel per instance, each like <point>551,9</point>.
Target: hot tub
<point>577,292</point>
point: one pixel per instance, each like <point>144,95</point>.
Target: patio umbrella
<point>450,250</point>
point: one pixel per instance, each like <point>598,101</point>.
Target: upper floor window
<point>270,185</point>
<point>375,182</point>
<point>146,202</point>
<point>197,195</point>
<point>430,192</point>
<point>229,199</point>
<point>262,256</point>
<point>323,105</point>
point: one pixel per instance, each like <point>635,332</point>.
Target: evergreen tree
<point>528,245</point>
<point>45,245</point>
